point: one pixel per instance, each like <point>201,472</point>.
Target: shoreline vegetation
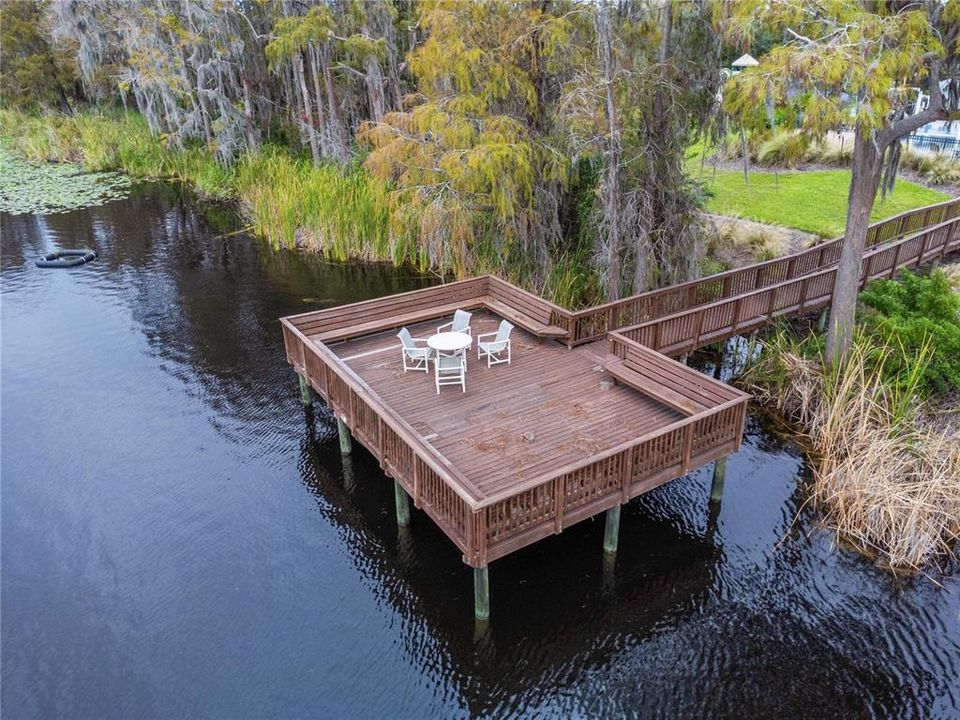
<point>340,211</point>
<point>882,425</point>
<point>346,213</point>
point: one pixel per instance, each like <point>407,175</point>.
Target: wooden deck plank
<point>549,406</point>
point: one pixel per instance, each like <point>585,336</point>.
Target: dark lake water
<point>181,539</point>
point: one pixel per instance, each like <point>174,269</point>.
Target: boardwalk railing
<point>686,331</point>
<point>592,323</point>
<point>529,311</point>
<point>485,527</point>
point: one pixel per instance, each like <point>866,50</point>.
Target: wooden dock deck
<point>530,448</point>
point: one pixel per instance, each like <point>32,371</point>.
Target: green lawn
<point>815,201</point>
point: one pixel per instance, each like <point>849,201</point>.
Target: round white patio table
<point>449,341</point>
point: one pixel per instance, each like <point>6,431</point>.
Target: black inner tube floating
<point>66,258</point>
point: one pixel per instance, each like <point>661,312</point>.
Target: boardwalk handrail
<point>685,331</point>
<point>592,323</point>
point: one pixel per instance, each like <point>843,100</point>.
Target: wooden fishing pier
<point>588,414</point>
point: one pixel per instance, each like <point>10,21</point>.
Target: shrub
<point>917,311</point>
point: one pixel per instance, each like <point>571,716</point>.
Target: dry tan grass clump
<point>883,480</point>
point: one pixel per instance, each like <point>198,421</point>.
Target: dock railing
<point>688,330</point>
<point>592,323</point>
<point>545,505</point>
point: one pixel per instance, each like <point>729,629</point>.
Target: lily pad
<point>45,188</point>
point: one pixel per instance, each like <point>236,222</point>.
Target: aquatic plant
<point>881,478</point>
<point>27,187</point>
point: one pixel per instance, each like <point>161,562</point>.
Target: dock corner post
<point>403,504</point>
<point>481,593</point>
<point>719,475</point>
<point>305,397</point>
<point>346,446</point>
<point>611,532</point>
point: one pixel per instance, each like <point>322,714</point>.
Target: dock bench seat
<point>539,326</point>
<point>621,371</point>
<point>395,321</point>
<point>533,325</point>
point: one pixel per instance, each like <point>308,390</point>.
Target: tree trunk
<point>289,96</point>
<point>250,130</point>
<point>299,74</point>
<point>611,188</point>
<point>374,83</point>
<point>318,96</point>
<point>338,133</point>
<point>864,180</point>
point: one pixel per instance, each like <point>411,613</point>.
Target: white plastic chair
<point>495,348</point>
<point>414,357</point>
<point>450,369</point>
<point>460,323</point>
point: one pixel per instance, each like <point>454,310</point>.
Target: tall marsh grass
<point>341,212</point>
<point>882,479</point>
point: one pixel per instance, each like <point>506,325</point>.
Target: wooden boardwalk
<point>589,414</point>
<point>904,240</point>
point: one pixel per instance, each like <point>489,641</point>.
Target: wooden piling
<point>611,532</point>
<point>719,475</point>
<point>305,397</point>
<point>481,593</point>
<point>403,504</point>
<point>346,446</point>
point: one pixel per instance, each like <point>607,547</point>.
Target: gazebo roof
<point>745,60</point>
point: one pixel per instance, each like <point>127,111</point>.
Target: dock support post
<point>683,358</point>
<point>822,320</point>
<point>719,475</point>
<point>611,532</point>
<point>481,593</point>
<point>346,446</point>
<point>403,504</point>
<point>721,356</point>
<point>304,391</point>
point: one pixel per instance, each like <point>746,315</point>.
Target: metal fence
<point>939,144</point>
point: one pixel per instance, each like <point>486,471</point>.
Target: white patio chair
<point>495,348</point>
<point>460,323</point>
<point>450,369</point>
<point>414,357</point>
